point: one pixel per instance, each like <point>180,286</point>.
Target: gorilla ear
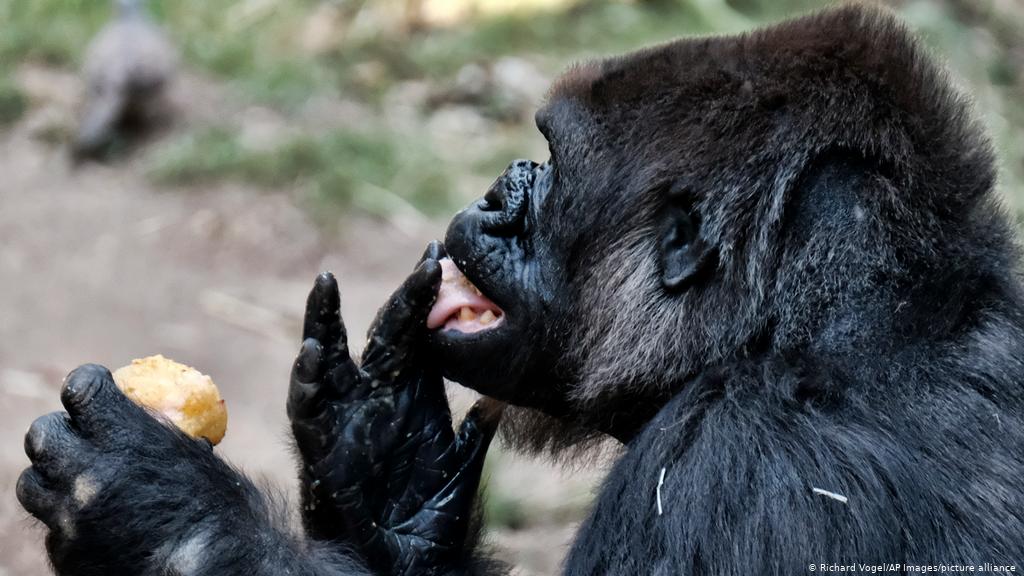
<point>683,254</point>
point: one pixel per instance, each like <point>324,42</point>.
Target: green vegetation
<point>340,168</point>
<point>501,510</point>
<point>259,48</point>
<point>12,102</point>
<point>52,31</point>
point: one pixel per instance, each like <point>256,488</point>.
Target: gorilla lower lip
<point>460,306</point>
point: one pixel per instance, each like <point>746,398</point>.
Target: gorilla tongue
<point>460,306</point>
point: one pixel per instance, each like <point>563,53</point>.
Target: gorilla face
<point>499,244</point>
<point>585,276</point>
<point>535,245</point>
<point>521,246</point>
<point>584,291</point>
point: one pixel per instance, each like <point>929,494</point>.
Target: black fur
<point>861,333</point>
<point>774,266</point>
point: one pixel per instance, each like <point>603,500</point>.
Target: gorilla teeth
<point>460,306</point>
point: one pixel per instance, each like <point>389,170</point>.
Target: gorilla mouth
<point>460,306</point>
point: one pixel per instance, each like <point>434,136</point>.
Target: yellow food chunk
<point>186,396</point>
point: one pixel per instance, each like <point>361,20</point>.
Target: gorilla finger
<point>358,521</point>
<point>323,316</point>
<point>455,500</point>
<point>54,448</point>
<point>37,498</point>
<point>95,404</point>
<point>305,379</point>
<point>436,461</point>
<point>450,477</point>
<point>308,366</point>
<point>435,251</point>
<point>314,436</point>
<point>407,308</point>
<point>350,383</point>
<point>401,321</point>
<point>424,399</point>
<point>478,429</point>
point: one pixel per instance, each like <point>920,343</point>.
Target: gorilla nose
<point>504,205</point>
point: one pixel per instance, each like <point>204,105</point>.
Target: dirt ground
<point>97,265</point>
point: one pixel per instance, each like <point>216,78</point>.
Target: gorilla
<point>772,266</point>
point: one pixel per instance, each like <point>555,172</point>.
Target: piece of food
<point>186,396</point>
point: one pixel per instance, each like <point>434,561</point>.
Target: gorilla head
<point>812,187</point>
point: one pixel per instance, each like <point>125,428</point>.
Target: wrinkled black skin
<point>766,264</point>
<point>487,241</point>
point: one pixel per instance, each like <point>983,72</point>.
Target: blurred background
<point>297,136</point>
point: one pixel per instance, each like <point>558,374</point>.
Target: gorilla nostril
<point>506,201</point>
<point>492,199</point>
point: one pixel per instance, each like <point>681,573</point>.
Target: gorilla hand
<point>382,468</point>
<point>120,491</point>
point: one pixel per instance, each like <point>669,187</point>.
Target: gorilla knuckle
<point>31,493</point>
<point>42,431</point>
<point>84,384</point>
